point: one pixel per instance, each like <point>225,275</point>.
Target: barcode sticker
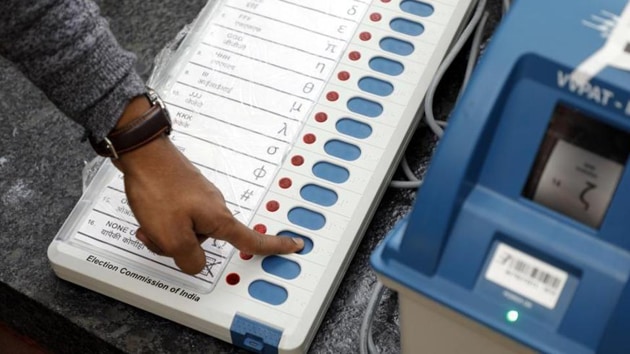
<point>526,276</point>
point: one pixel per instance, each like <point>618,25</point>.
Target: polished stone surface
<point>41,158</point>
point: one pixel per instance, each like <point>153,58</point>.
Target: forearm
<point>67,49</point>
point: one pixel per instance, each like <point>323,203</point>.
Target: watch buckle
<point>111,148</point>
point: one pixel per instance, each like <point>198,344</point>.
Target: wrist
<point>150,156</point>
<point>144,119</point>
<point>134,109</point>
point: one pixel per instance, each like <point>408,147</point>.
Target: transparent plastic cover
<point>239,83</point>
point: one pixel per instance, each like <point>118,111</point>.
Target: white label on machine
<point>526,275</point>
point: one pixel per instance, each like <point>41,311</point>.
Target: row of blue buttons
<point>288,269</point>
<point>313,220</point>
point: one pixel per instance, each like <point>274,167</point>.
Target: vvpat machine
<point>519,240</point>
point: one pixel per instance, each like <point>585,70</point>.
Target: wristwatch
<point>140,131</point>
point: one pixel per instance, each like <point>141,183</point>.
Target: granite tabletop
<point>41,159</point>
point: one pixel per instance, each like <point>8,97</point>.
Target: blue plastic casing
<point>472,199</point>
<point>254,336</point>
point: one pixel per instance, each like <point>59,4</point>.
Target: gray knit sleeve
<point>66,48</point>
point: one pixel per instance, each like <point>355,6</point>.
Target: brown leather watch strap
<point>136,133</point>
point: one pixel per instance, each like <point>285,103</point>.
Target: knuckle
<point>256,244</point>
<point>261,241</point>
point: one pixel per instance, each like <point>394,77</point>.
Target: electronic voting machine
<point>298,111</point>
<point>519,238</point>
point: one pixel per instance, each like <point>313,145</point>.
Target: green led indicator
<point>511,316</point>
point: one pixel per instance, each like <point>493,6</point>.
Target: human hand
<point>178,208</point>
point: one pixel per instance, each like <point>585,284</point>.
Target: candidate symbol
<point>589,187</point>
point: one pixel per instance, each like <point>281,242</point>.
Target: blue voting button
<point>306,218</point>
<point>331,172</point>
<point>342,150</point>
<point>386,66</point>
<point>417,8</point>
<point>318,195</point>
<point>281,267</point>
<point>365,107</point>
<point>407,27</point>
<point>267,292</point>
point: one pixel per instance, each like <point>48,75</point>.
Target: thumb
<point>182,245</point>
<point>191,263</point>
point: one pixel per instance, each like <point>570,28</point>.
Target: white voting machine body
<point>298,110</point>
